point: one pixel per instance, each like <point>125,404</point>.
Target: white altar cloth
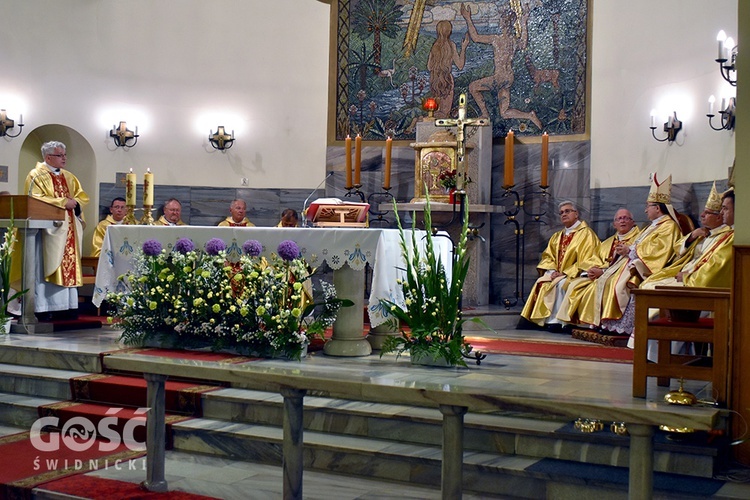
<point>336,246</point>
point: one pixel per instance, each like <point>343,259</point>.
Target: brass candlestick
<point>130,216</point>
<point>147,219</point>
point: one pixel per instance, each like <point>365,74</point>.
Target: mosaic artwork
<point>521,63</point>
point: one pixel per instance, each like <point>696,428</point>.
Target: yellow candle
<point>358,160</point>
<point>348,162</point>
<point>130,181</point>
<point>508,178</point>
<point>388,150</point>
<point>148,189</point>
<point>545,160</point>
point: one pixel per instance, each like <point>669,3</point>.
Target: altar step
<point>494,316</point>
<point>505,454</point>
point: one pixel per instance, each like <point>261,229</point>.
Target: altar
<point>346,250</point>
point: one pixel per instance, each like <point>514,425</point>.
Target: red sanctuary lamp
<point>430,105</point>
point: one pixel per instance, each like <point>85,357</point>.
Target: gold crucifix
<point>461,123</point>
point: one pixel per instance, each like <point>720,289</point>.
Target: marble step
<point>49,357</point>
<point>37,381</point>
<point>21,410</point>
<point>494,316</point>
<point>504,434</point>
<point>483,473</point>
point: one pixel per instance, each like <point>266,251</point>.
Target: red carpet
<point>545,349</point>
<point>96,488</point>
<point>25,467</point>
<point>119,390</point>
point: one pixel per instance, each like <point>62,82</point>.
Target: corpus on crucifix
<point>461,123</point>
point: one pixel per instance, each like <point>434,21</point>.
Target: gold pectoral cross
<point>461,123</point>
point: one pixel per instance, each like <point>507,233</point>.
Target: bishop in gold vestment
<point>560,261</point>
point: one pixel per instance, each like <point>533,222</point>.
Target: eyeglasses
<point>711,212</point>
<point>60,156</point>
<point>652,205</point>
<point>618,219</point>
<point>566,211</point>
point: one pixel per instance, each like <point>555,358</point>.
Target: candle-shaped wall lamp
<point>727,57</point>
<point>726,110</point>
<point>672,127</point>
<point>6,124</point>
<point>123,137</point>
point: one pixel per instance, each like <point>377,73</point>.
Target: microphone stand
<point>304,205</point>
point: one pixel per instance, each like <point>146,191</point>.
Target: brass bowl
<point>676,430</point>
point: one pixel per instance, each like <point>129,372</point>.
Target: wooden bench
<point>714,331</point>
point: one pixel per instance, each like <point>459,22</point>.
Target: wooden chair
<point>713,330</point>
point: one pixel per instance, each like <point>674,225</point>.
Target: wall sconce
<point>123,137</point>
<point>726,111</point>
<point>727,58</point>
<point>672,127</point>
<point>430,105</point>
<point>221,140</point>
<point>7,124</point>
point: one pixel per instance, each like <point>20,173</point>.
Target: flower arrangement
<point>449,179</point>
<point>6,292</point>
<point>432,300</point>
<point>196,297</point>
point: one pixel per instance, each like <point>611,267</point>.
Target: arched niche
<point>81,162</point>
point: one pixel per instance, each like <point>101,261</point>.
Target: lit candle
<point>358,160</point>
<point>348,162</point>
<point>545,160</point>
<point>711,101</point>
<point>508,180</point>
<point>720,38</point>
<point>148,189</point>
<point>388,150</point>
<point>130,181</point>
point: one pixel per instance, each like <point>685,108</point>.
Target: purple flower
<point>152,248</point>
<point>215,245</point>
<point>252,247</point>
<point>288,250</point>
<point>184,245</point>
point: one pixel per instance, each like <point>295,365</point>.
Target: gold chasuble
<point>652,250</point>
<point>576,297</point>
<point>230,222</point>
<point>162,221</point>
<point>62,246</point>
<point>707,263</point>
<point>99,233</point>
<point>564,253</point>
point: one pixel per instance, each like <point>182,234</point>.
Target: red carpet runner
<point>544,349</point>
<point>96,488</point>
<point>26,467</point>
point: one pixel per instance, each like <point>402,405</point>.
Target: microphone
<point>304,205</point>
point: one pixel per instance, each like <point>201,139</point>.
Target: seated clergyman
<point>577,307</point>
<point>172,214</point>
<point>289,218</point>
<point>116,215</point>
<point>705,254</point>
<point>566,250</point>
<point>237,211</point>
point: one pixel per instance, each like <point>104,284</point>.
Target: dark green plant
<point>432,301</point>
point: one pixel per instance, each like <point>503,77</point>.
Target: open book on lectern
<point>334,212</point>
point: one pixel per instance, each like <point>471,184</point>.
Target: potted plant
<point>432,298</point>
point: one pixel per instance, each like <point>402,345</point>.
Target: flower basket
<point>193,299</point>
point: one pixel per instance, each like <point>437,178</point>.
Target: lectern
<point>29,215</point>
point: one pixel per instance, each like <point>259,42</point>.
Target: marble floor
<point>223,478</point>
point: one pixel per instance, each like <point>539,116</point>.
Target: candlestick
<point>508,177</point>
<point>148,189</point>
<point>545,160</point>
<point>130,181</point>
<point>358,160</point>
<point>388,150</point>
<point>348,162</point>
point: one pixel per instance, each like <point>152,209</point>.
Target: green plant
<point>432,300</point>
<point>253,305</point>
<point>6,251</point>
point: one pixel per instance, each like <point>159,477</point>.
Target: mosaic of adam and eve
<point>521,63</point>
